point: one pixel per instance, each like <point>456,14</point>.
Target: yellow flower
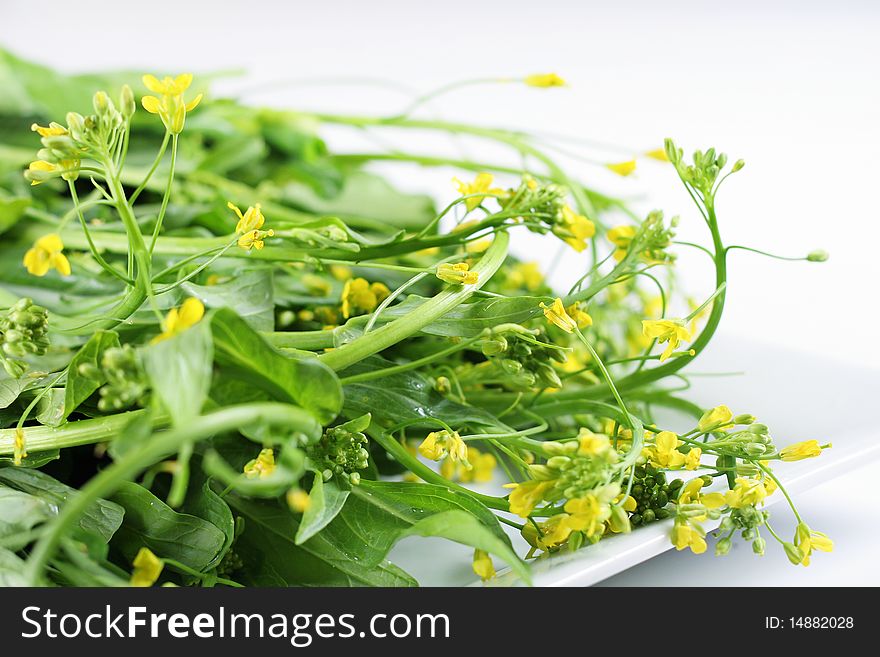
<point>52,130</point>
<point>574,229</point>
<point>808,540</point>
<point>622,168</point>
<point>170,106</point>
<point>621,237</point>
<point>361,296</point>
<point>262,466</point>
<point>19,449</point>
<point>527,495</point>
<point>619,523</point>
<point>457,274</point>
<point>254,239</point>
<point>544,80</point>
<point>41,171</point>
<point>692,494</point>
<point>252,219</point>
<point>692,458</point>
<point>298,499</point>
<point>581,317</point>
<point>46,254</point>
<point>658,154</point>
<point>664,452</point>
<point>147,568</point>
<point>557,315</point>
<point>587,514</point>
<point>747,492</point>
<point>591,444</point>
<point>671,331</point>
<point>482,183</point>
<point>715,419</point>
<point>527,275</point>
<point>443,444</point>
<point>179,319</point>
<point>483,565</point>
<point>685,535</point>
<point>804,450</point>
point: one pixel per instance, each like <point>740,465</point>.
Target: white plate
<point>799,395</point>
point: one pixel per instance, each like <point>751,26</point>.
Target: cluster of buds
<point>523,357</point>
<point>576,468</point>
<point>652,494</point>
<point>746,520</point>
<point>64,148</point>
<point>342,450</point>
<point>703,173</point>
<point>532,197</point>
<point>126,383</point>
<point>23,332</point>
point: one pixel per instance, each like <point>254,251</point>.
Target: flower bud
<point>745,418</point>
<point>739,164</point>
<point>559,462</point>
<point>126,101</point>
<point>794,553</point>
<point>818,255</point>
<point>102,103</point>
<point>494,346</point>
<point>758,546</point>
<point>759,428</point>
<point>722,547</point>
<point>75,125</point>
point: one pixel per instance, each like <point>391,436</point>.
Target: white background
<point>791,87</point>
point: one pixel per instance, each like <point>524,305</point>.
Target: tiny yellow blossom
<point>41,171</point>
<point>664,452</point>
<point>360,296</point>
<point>747,492</point>
<point>481,184</point>
<point>527,495</point>
<point>19,449</point>
<point>483,565</point>
<point>808,540</point>
<point>621,237</point>
<point>692,494</point>
<point>544,80</point>
<point>658,154</point>
<point>685,535</point>
<point>262,466</point>
<point>671,331</point>
<point>715,419</point>
<point>254,239</point>
<point>47,253</point>
<point>170,105</point>
<point>622,168</point>
<point>581,317</point>
<point>252,219</point>
<point>298,500</point>
<point>443,444</point>
<point>147,568</point>
<point>587,514</point>
<point>591,444</point>
<point>574,229</point>
<point>692,458</point>
<point>556,314</point>
<point>457,273</point>
<point>804,450</point>
<point>179,319</point>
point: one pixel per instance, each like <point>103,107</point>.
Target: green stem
<point>166,197</point>
<point>436,307</point>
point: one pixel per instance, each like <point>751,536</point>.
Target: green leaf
<point>11,388</point>
<point>180,370</point>
<point>151,523</point>
<point>465,320</point>
<point>406,396</point>
<point>101,519</point>
<point>326,500</point>
<point>20,513</point>
<point>272,558</point>
<point>249,293</point>
<point>84,375</point>
<point>11,210</point>
<point>50,408</point>
<point>380,513</point>
<point>203,502</point>
<point>243,353</point>
<point>11,569</point>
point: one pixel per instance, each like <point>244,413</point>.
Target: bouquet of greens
<point>231,357</point>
